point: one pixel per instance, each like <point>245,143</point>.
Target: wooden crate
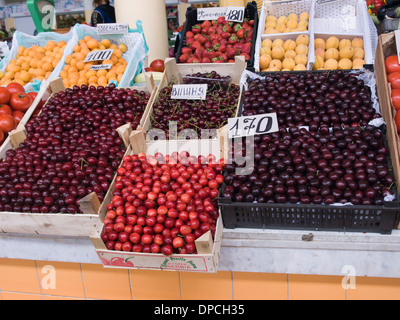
<point>207,258</point>
<point>174,72</point>
<point>74,225</point>
<point>387,47</point>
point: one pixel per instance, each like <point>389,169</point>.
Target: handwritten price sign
<point>99,55</point>
<point>234,14</point>
<point>189,92</point>
<point>253,125</point>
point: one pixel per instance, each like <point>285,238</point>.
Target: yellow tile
<point>259,286</point>
<point>61,279</point>
<point>107,284</point>
<point>310,287</point>
<point>206,286</point>
<point>20,296</point>
<point>375,289</point>
<point>154,285</point>
<point>19,276</point>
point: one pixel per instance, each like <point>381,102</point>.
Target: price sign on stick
<point>235,14</point>
<point>253,125</point>
<point>99,55</point>
<point>189,91</point>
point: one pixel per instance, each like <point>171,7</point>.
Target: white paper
<point>189,91</point>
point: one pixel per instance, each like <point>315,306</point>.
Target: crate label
<point>99,55</point>
<point>101,67</point>
<point>189,91</point>
<point>235,14</point>
<point>210,13</point>
<point>253,125</point>
<point>397,38</point>
<point>153,261</point>
<point>112,28</point>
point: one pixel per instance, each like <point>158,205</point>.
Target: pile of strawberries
<point>217,41</point>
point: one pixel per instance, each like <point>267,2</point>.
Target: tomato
<point>21,101</point>
<point>395,95</point>
<point>2,136</point>
<point>158,65</point>
<point>7,123</point>
<point>5,109</point>
<point>33,95</point>
<point>4,95</point>
<point>149,69</point>
<point>14,87</point>
<point>18,115</point>
<point>392,64</point>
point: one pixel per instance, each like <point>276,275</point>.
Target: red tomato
<point>1,137</point>
<point>18,115</point>
<point>4,95</point>
<point>21,101</point>
<point>33,95</point>
<point>392,64</point>
<point>14,87</point>
<point>395,95</point>
<point>5,109</point>
<point>7,123</point>
<point>158,65</point>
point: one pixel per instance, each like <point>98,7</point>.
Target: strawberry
<point>205,60</point>
<point>233,39</point>
<point>186,50</point>
<point>189,34</point>
<point>196,29</point>
<point>206,24</point>
<point>221,20</point>
<point>183,58</point>
<point>227,28</point>
<point>246,48</point>
<point>241,33</point>
<point>196,44</point>
<point>231,52</point>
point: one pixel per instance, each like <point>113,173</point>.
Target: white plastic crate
<point>284,8</point>
<point>329,17</point>
<point>347,17</point>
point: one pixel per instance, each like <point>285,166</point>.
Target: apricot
<point>344,43</point>
<point>319,63</point>
<point>345,64</point>
<point>357,43</point>
<point>332,42</point>
<point>301,59</point>
<point>278,53</point>
<point>331,64</point>
<point>265,60</point>
<point>288,63</point>
<point>319,43</point>
<point>332,53</point>
<point>303,39</point>
<point>358,63</point>
<point>346,53</point>
<point>275,65</point>
<point>289,45</point>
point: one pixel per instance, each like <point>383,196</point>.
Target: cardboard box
<point>207,258</point>
<point>74,225</point>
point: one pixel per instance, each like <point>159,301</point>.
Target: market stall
<point>270,134</point>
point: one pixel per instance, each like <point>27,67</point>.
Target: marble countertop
<point>249,250</point>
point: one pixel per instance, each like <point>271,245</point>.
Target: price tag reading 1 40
<point>253,125</point>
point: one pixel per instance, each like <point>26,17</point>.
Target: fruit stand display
<point>163,213</point>
<point>219,40</point>
<point>329,167</point>
<point>58,167</point>
<point>341,36</point>
<point>34,59</point>
<point>194,116</point>
<point>128,53</point>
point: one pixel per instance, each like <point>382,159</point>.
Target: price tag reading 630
<point>253,125</point>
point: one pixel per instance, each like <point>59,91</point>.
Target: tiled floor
<point>39,280</point>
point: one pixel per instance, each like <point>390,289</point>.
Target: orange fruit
<point>92,44</point>
<point>123,48</point>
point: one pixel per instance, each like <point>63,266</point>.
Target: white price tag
<point>189,91</point>
<point>210,13</point>
<point>253,125</point>
<point>112,28</point>
<point>99,55</point>
<point>235,14</point>
<point>101,67</point>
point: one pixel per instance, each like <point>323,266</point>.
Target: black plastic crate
<point>251,12</point>
<point>374,219</point>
